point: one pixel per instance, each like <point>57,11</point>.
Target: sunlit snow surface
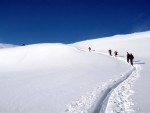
<point>139,45</point>
<point>56,78</point>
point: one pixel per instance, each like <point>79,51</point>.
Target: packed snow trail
<point>96,101</point>
<point>99,100</point>
<point>103,100</point>
<point>120,100</point>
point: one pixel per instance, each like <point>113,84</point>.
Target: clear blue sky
<point>67,21</point>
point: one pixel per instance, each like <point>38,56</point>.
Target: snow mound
<point>47,77</point>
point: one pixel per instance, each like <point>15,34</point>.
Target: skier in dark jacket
<point>131,58</point>
<point>89,49</point>
<point>110,52</point>
<point>116,53</point>
<point>128,55</point>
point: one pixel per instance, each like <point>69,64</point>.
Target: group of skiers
<point>110,53</point>
<point>130,57</point>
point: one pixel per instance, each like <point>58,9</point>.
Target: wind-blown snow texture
<point>55,78</point>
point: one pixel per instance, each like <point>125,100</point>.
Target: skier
<point>109,52</point>
<point>128,55</point>
<point>116,53</point>
<point>89,49</point>
<point>131,58</point>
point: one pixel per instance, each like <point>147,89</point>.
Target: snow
<point>138,44</point>
<point>60,78</point>
<point>48,77</point>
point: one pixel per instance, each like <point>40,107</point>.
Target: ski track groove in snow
<point>110,97</point>
<point>120,100</point>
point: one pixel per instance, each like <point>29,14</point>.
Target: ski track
<point>111,97</point>
<point>120,100</point>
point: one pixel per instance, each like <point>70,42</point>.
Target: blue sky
<point>67,21</point>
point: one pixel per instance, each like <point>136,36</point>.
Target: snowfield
<point>61,78</point>
<point>139,45</point>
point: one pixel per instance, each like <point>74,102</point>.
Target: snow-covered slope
<point>45,78</point>
<point>139,45</point>
<point>56,78</point>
